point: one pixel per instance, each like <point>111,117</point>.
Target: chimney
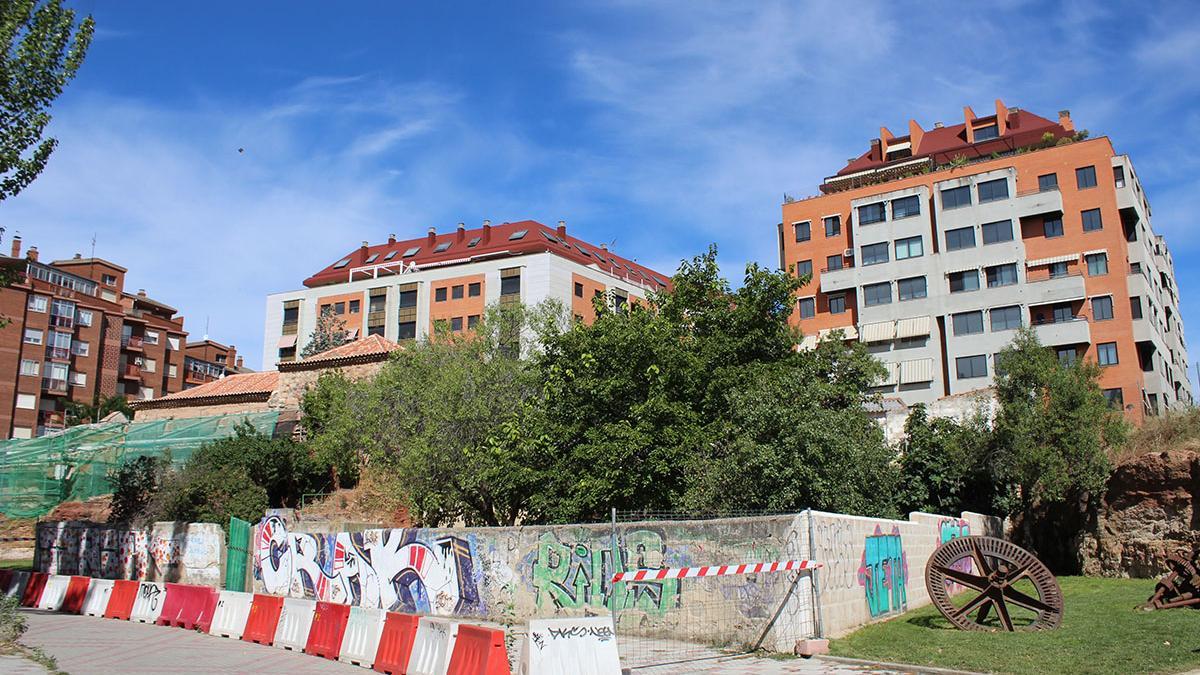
<point>142,292</point>
<point>431,236</point>
<point>562,229</point>
<point>391,238</point>
<point>461,233</point>
<point>487,232</point>
<point>1064,119</point>
<point>938,125</point>
<point>78,256</point>
<point>603,247</point>
<point>16,246</point>
<point>240,361</point>
<point>32,253</point>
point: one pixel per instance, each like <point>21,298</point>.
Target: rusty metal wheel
<point>997,576</point>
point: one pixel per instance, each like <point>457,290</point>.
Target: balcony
<point>58,353</point>
<point>61,321</point>
<point>133,342</point>
<point>131,372</point>
<point>1073,332</point>
<point>1066,288</point>
<point>52,419</point>
<point>842,279</point>
<point>1038,202</point>
<point>54,385</point>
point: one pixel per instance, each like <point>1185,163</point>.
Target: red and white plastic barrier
<point>715,570</point>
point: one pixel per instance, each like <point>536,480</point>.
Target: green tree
<point>43,47</point>
<point>329,333</point>
<point>1054,427</point>
<point>134,484</point>
<point>941,464</point>
<point>98,409</point>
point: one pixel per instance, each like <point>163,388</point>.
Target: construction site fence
<point>37,474</point>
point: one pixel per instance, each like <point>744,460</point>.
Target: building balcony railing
<point>132,372</point>
<point>1038,202</point>
<point>1062,288</point>
<point>58,353</point>
<point>52,419</point>
<point>54,385</point>
<point>1054,333</point>
<point>60,321</point>
<point>132,342</point>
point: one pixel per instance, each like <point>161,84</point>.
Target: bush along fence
<point>871,569</point>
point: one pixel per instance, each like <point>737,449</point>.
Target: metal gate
<point>237,555</point>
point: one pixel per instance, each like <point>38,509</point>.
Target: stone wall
<point>178,552</point>
<point>874,568</point>
<point>293,383</point>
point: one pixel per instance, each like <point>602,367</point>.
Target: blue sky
<point>660,126</point>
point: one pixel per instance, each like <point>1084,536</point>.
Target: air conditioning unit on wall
<point>848,253</point>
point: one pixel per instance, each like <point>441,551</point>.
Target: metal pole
<point>618,566</point>
<point>812,555</point>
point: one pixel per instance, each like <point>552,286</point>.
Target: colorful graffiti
<point>953,528</point>
<point>400,570</point>
<point>578,574</point>
<point>155,554</point>
<point>883,573</point>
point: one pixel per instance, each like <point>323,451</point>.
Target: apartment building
<point>207,360</point>
<point>933,247</point>
<point>399,290</point>
<point>75,335</point>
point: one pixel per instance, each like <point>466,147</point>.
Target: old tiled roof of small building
<point>228,389</point>
<point>368,349</point>
<point>488,242</point>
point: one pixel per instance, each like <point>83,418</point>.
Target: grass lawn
<point>16,564</point>
<point>1102,632</point>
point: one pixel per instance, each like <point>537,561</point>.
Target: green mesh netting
<point>37,474</point>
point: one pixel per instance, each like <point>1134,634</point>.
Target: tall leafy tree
<point>330,332</point>
<point>98,409</point>
<point>43,47</point>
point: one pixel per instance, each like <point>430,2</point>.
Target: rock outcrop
<point>1148,511</point>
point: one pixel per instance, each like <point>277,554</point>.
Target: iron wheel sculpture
<point>1180,586</point>
<point>998,576</point>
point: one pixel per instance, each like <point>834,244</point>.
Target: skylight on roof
<point>474,242</point>
<point>549,237</point>
<point>390,255</point>
<point>372,258</point>
<point>442,246</point>
<point>341,263</point>
<point>584,251</point>
<point>519,234</point>
<point>412,251</point>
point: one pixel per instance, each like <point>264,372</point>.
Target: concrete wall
<point>191,411</point>
<point>178,552</point>
<point>874,569</point>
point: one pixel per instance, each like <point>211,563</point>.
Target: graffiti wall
<point>187,553</point>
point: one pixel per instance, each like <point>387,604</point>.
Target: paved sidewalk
<point>83,645</point>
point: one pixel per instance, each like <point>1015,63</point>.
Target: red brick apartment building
<point>74,335</point>
<point>934,246</point>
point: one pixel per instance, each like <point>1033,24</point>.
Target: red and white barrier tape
<point>715,570</point>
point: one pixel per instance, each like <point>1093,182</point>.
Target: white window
<point>30,367</point>
<point>172,371</point>
<point>37,303</point>
<point>146,394</point>
<point>173,343</point>
<point>33,336</point>
<point>108,295</point>
<point>26,401</point>
<point>79,379</point>
<point>85,317</point>
<point>80,347</point>
<point>149,365</point>
<point>151,337</point>
<point>56,371</point>
<point>22,432</point>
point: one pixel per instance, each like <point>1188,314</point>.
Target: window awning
<point>808,343</point>
<point>1050,261</point>
<point>848,332</point>
<point>914,326</point>
<point>891,376</point>
<point>878,332</point>
<point>956,270</point>
<point>352,334</point>
<point>1099,250</point>
<point>919,370</point>
<point>287,341</point>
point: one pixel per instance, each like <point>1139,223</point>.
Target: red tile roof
<point>245,386</point>
<point>370,348</point>
<point>942,143</point>
<point>494,242</point>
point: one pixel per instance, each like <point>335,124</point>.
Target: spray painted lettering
<point>578,574</point>
<point>884,573</point>
<point>399,570</point>
<point>953,528</point>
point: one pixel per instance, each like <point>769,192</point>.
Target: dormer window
<point>987,133</point>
